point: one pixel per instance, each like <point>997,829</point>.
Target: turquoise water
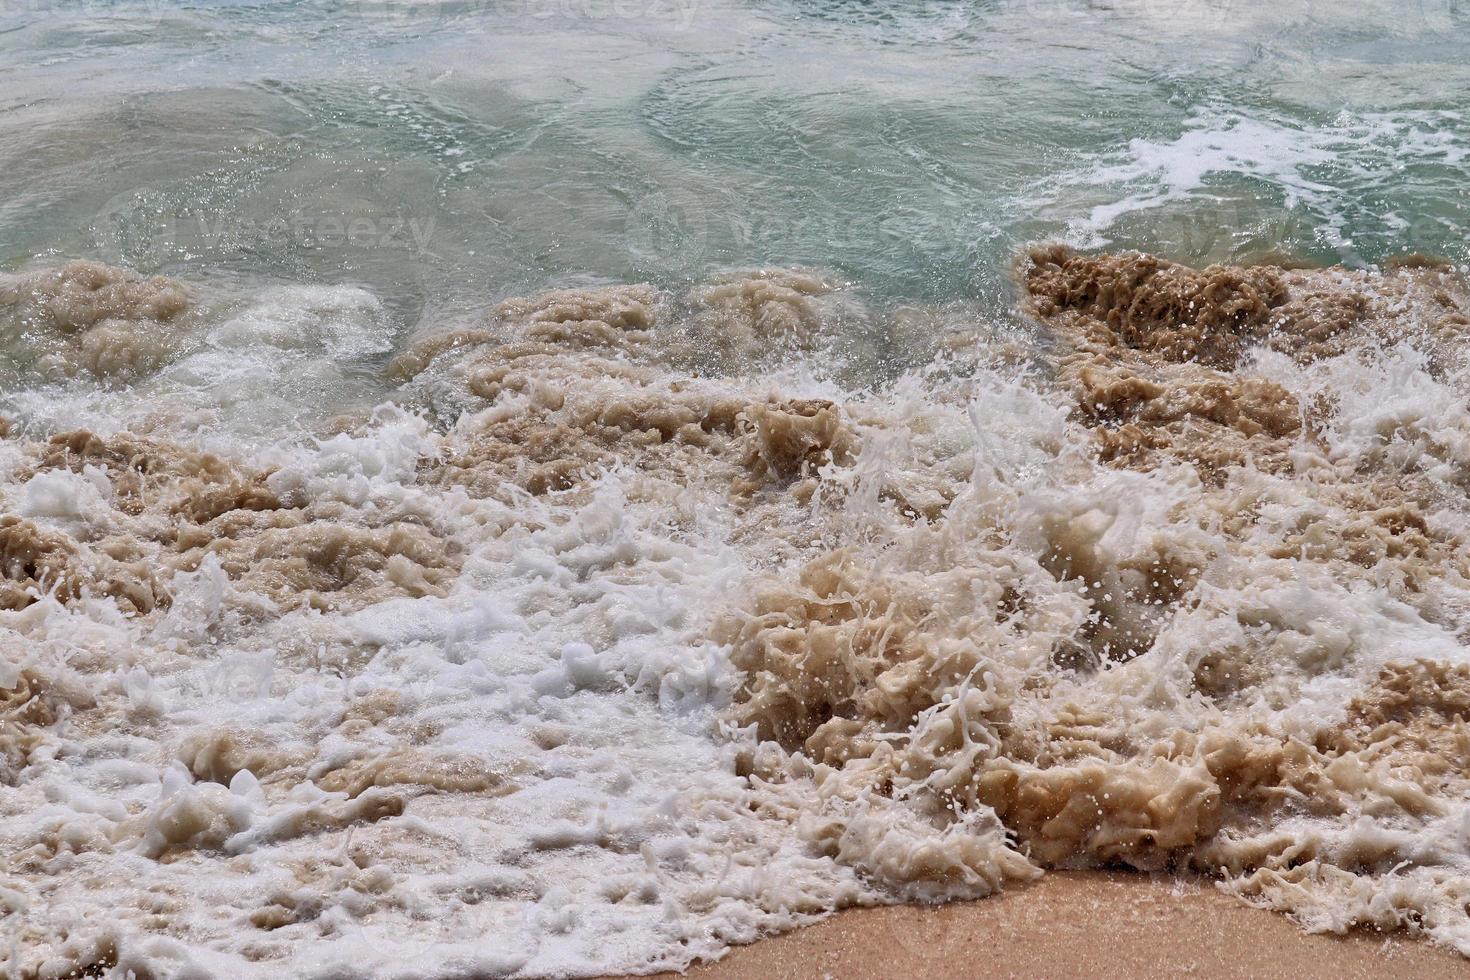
<point>443,153</point>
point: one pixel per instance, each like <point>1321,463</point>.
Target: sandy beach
<point>1080,924</point>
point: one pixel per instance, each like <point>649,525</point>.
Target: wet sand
<point>1118,926</point>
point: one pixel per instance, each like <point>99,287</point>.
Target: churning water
<point>558,487</point>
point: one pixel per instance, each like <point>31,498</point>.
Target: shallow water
<point>357,616</point>
<point>488,148</point>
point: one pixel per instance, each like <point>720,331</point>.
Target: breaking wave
<point>633,623</point>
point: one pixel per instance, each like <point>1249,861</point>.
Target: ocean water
<point>562,487</point>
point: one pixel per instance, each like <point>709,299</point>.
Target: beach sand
<point>1080,924</point>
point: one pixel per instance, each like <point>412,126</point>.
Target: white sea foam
<point>1222,155</point>
<point>615,662</point>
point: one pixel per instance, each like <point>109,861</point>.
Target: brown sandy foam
<point>1078,924</point>
<point>1167,603</point>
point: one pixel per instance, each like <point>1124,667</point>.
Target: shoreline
<point>1117,925</point>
